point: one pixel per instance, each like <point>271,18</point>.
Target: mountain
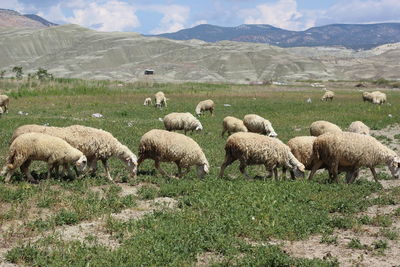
<point>11,18</point>
<point>353,36</point>
<point>77,52</point>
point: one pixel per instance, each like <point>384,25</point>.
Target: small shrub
<point>389,234</point>
<point>329,239</point>
<point>66,217</point>
<point>382,221</point>
<point>147,192</point>
<point>356,244</point>
<point>380,245</point>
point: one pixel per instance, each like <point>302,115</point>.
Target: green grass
<point>213,215</point>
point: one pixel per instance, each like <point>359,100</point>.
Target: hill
<point>354,36</point>
<point>11,18</point>
<point>74,51</point>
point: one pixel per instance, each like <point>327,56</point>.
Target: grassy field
<point>228,218</point>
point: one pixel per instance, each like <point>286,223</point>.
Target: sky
<point>157,16</point>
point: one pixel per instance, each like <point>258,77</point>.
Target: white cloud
<point>361,11</point>
<point>111,15</point>
<point>282,14</point>
<point>17,6</point>
<point>174,18</point>
<point>53,14</point>
<point>198,22</point>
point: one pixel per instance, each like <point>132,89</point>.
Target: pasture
<point>155,221</point>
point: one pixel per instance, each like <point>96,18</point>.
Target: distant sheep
<point>318,128</point>
<point>328,96</point>
<point>232,125</point>
<point>205,105</point>
<point>375,97</point>
<point>358,127</point>
<point>4,101</point>
<point>147,102</point>
<point>182,121</point>
<point>257,124</point>
<point>256,149</point>
<point>160,100</point>
<point>353,151</point>
<point>96,144</point>
<point>164,146</point>
<point>37,146</point>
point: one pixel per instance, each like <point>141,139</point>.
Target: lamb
<point>4,101</point>
<point>204,106</point>
<point>257,124</point>
<point>232,125</point>
<point>43,147</point>
<point>358,127</point>
<point>182,121</point>
<point>147,102</point>
<point>353,150</point>
<point>320,127</point>
<point>255,149</point>
<point>328,96</point>
<point>160,100</point>
<point>95,144</point>
<point>164,146</point>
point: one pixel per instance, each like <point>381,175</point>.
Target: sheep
<point>204,106</point>
<point>1,111</point>
<point>257,124</point>
<point>182,121</point>
<point>43,147</point>
<point>320,127</point>
<point>367,96</point>
<point>232,125</point>
<point>160,100</point>
<point>328,96</point>
<point>353,150</point>
<point>4,101</point>
<point>147,102</point>
<point>375,97</point>
<point>164,146</point>
<point>254,149</point>
<point>96,144</point>
<point>358,127</point>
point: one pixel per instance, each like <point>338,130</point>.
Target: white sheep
<point>1,111</point>
<point>164,146</point>
<point>37,146</point>
<point>257,124</point>
<point>232,125</point>
<point>320,127</point>
<point>358,127</point>
<point>376,97</point>
<point>256,149</point>
<point>4,101</point>
<point>147,102</point>
<point>182,121</point>
<point>95,144</point>
<point>353,150</point>
<point>328,95</point>
<point>160,100</point>
<point>205,105</point>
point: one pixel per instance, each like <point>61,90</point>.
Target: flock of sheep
<point>252,141</point>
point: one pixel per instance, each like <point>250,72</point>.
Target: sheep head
<point>202,170</point>
<point>394,166</point>
<point>81,163</point>
<point>269,130</point>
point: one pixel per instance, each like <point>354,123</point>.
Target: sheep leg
<point>223,132</point>
<point>107,169</point>
<point>374,174</point>
<point>275,170</point>
<point>354,175</point>
<point>242,169</point>
<point>50,168</point>
<point>315,168</point>
<point>93,167</point>
<point>8,172</point>
<point>158,167</point>
<point>228,161</point>
<point>333,172</point>
<point>25,169</point>
<point>269,172</point>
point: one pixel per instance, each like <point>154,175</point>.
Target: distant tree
<point>18,72</point>
<point>2,73</point>
<point>42,74</point>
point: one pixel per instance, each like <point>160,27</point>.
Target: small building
<point>148,72</point>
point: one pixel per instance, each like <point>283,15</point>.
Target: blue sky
<point>157,16</point>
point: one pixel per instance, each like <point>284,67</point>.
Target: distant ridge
<point>353,36</point>
<point>11,18</point>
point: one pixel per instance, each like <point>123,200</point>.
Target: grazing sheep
<point>95,144</point>
<point>375,97</point>
<point>204,106</point>
<point>164,146</point>
<point>43,147</point>
<point>4,101</point>
<point>147,102</point>
<point>255,149</point>
<point>358,127</point>
<point>257,124</point>
<point>182,121</point>
<point>160,100</point>
<point>320,127</point>
<point>232,125</point>
<point>328,96</point>
<point>367,96</point>
<point>353,150</point>
<point>1,111</point>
